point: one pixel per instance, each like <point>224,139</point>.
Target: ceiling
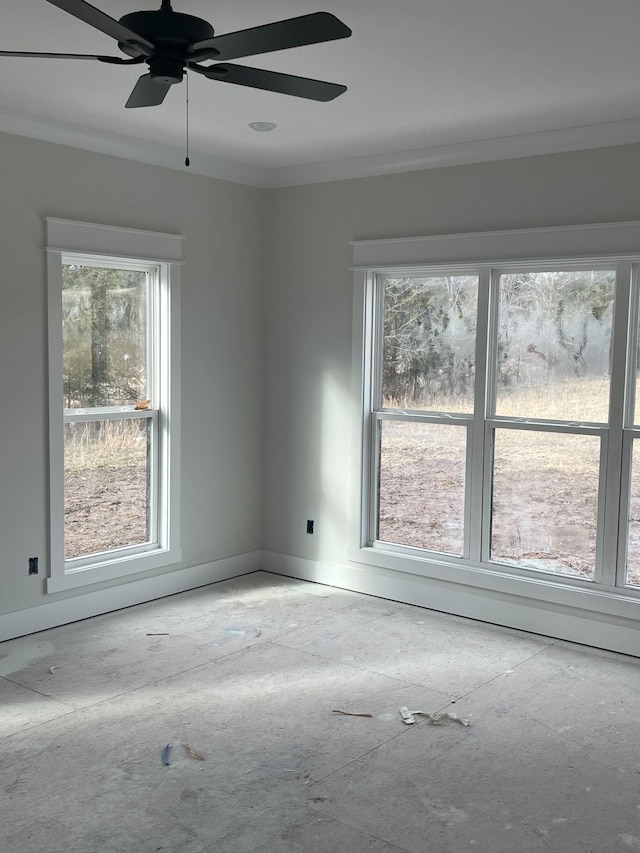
<point>429,83</point>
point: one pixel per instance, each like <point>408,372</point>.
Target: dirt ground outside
<point>544,511</point>
<point>544,498</point>
<point>105,508</point>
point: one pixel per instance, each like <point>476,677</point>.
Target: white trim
<point>563,248</point>
<point>95,569</point>
<point>435,157</point>
<point>55,403</point>
<point>614,472</point>
<point>91,239</point>
<point>93,243</point>
<point>106,413</point>
<point>97,602</point>
<point>496,248</point>
<point>476,528</point>
<point>590,622</point>
<point>460,154</point>
<point>117,145</point>
<point>360,368</point>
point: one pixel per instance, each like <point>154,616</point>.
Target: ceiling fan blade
<point>147,93</point>
<point>101,21</point>
<point>31,55</point>
<point>272,81</point>
<point>294,32</point>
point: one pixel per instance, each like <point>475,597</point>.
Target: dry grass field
<point>544,485</point>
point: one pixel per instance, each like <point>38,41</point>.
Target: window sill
<point>112,570</point>
<point>559,591</point>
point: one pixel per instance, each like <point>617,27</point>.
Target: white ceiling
<point>428,83</point>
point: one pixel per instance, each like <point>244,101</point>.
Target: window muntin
<point>589,415</point>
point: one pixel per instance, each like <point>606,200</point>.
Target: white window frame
<point>487,255</point>
<point>82,242</point>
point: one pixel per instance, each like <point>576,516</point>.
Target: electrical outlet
<point>309,525</point>
<point>33,565</point>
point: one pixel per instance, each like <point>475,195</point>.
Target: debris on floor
<point>165,755</point>
<point>160,634</point>
<point>350,713</point>
<point>409,717</point>
<point>193,752</point>
<point>438,719</point>
<point>53,669</point>
<point>242,630</point>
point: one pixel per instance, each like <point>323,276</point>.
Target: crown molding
<point>116,145</point>
<point>465,153</point>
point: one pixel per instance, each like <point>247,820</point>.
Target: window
<point>114,414</point>
<point>500,427</point>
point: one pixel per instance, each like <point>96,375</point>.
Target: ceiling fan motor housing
<point>172,34</point>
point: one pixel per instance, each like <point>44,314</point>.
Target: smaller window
<point>114,447</point>
<point>112,419</point>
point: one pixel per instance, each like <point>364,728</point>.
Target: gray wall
<point>265,429</point>
<point>222,329</point>
<point>309,309</point>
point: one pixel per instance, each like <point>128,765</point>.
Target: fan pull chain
<point>187,162</point>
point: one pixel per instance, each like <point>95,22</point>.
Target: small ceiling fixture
<point>262,126</point>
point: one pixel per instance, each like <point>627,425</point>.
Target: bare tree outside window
<point>107,461</point>
<point>552,340</point>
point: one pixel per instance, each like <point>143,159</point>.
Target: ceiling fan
<point>172,43</point>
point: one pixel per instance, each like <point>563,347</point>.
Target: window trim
<point>99,243</point>
<point>540,247</point>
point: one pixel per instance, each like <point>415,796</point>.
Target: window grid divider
<point>476,468</point>
<point>612,446</point>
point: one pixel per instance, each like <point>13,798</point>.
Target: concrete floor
<point>247,672</point>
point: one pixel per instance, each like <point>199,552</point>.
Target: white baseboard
<point>600,630</point>
<point>88,604</point>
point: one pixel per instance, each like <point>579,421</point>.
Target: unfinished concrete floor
<point>247,672</point>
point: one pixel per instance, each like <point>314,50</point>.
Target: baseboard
<point>563,622</point>
<point>89,604</point>
<point>559,621</point>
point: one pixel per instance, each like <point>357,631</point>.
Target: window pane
<point>545,501</point>
<point>106,485</point>
<point>421,485</point>
<point>554,345</point>
<point>633,543</point>
<point>104,331</point>
<point>429,343</point>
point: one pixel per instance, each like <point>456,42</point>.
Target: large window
<point>501,425</point>
<point>114,420</point>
